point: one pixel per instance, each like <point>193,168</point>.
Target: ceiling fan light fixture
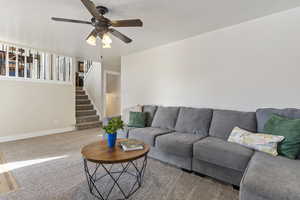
<point>92,39</point>
<point>106,41</point>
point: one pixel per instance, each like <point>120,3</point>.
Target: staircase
<point>86,115</point>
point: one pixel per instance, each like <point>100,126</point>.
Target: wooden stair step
<point>89,118</point>
<point>84,107</point>
<point>88,125</point>
<point>80,92</point>
<point>82,113</point>
<point>82,96</point>
<point>82,101</point>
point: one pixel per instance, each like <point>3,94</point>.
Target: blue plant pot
<point>111,139</point>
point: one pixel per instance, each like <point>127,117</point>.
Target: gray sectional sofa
<point>195,139</point>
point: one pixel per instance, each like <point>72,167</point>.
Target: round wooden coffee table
<point>131,163</point>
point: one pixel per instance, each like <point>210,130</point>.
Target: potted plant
<point>111,130</point>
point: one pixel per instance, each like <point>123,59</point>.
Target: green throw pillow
<point>290,129</point>
<point>137,119</point>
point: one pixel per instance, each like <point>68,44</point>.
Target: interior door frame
<point>105,74</point>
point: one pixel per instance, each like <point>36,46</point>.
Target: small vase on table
<point>111,139</point>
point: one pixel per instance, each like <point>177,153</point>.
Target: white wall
<point>29,108</point>
<point>112,93</point>
<point>250,65</point>
<point>93,86</point>
<point>107,101</point>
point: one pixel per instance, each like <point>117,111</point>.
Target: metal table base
<point>94,176</point>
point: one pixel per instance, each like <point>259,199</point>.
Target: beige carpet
<point>50,168</point>
<point>7,181</point>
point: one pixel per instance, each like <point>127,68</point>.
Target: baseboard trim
<point>35,134</point>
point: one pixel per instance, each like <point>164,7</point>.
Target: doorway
<point>112,93</point>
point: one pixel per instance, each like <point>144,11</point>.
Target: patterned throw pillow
<point>261,142</point>
<point>126,112</point>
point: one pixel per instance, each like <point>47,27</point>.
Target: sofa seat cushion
<point>194,120</point>
<point>223,121</point>
<point>147,134</point>
<point>219,152</point>
<point>271,178</point>
<point>180,144</point>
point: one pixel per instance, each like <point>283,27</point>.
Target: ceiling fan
<point>102,25</point>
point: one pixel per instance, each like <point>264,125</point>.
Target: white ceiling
<point>28,22</point>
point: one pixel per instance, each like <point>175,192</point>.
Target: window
<point>21,62</point>
<point>58,68</point>
<point>69,68</point>
<point>12,59</point>
<point>29,64</point>
<point>3,51</point>
<point>37,65</point>
<point>51,68</point>
<point>25,63</point>
<point>62,66</point>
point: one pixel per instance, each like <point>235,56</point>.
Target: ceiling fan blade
<point>119,35</point>
<point>91,8</point>
<point>70,20</point>
<point>127,23</point>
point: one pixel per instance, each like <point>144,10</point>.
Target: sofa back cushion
<point>150,112</point>
<point>194,120</point>
<point>223,121</point>
<point>165,117</point>
<point>264,114</point>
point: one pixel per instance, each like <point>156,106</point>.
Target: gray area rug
<point>50,168</point>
